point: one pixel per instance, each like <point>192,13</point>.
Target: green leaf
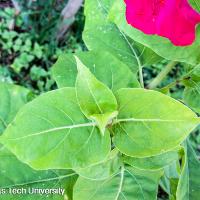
<point>169,180</point>
<point>154,162</point>
<point>12,98</point>
<point>106,68</point>
<point>36,73</point>
<point>103,170</point>
<point>128,183</point>
<point>162,46</point>
<point>191,97</point>
<point>173,188</point>
<point>25,177</point>
<point>96,100</point>
<point>22,61</point>
<point>38,50</point>
<point>191,93</point>
<point>150,123</point>
<point>101,34</point>
<point>188,187</point>
<point>192,78</point>
<point>52,133</point>
<point>17,44</point>
<point>195,4</point>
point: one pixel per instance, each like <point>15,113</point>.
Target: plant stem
<point>170,85</point>
<point>141,77</point>
<point>162,75</point>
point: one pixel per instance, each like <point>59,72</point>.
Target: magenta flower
<point>173,19</point>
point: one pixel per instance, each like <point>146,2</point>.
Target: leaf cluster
<point>102,135</point>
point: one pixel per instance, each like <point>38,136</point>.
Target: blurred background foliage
<point>29,42</point>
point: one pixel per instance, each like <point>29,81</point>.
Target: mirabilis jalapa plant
<point>101,135</point>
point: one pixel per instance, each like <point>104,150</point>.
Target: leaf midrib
<point>121,182</point>
<point>195,119</point>
<point>134,55</point>
<point>89,124</point>
<point>40,181</point>
<point>120,188</point>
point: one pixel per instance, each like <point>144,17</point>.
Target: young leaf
<point>154,162</point>
<point>12,98</point>
<point>101,34</point>
<point>162,46</point>
<point>25,177</point>
<point>52,133</point>
<point>128,183</point>
<point>150,123</point>
<point>106,68</point>
<point>188,187</point>
<point>96,100</point>
<point>102,170</point>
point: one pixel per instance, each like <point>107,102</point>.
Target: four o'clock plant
<point>104,133</point>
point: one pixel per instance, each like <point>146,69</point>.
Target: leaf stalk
<point>156,81</point>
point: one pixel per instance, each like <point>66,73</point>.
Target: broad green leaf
<point>189,187</point>
<point>96,100</point>
<point>150,123</point>
<point>12,98</point>
<point>103,170</point>
<point>191,95</point>
<point>152,163</point>
<point>106,68</point>
<point>52,133</point>
<point>162,46</point>
<point>101,34</point>
<point>15,175</point>
<point>128,183</point>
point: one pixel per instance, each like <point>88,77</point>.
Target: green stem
<point>162,75</point>
<point>141,77</point>
<point>170,85</point>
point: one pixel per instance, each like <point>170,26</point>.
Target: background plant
<point>25,56</point>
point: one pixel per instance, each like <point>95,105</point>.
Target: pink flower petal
<point>173,19</point>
